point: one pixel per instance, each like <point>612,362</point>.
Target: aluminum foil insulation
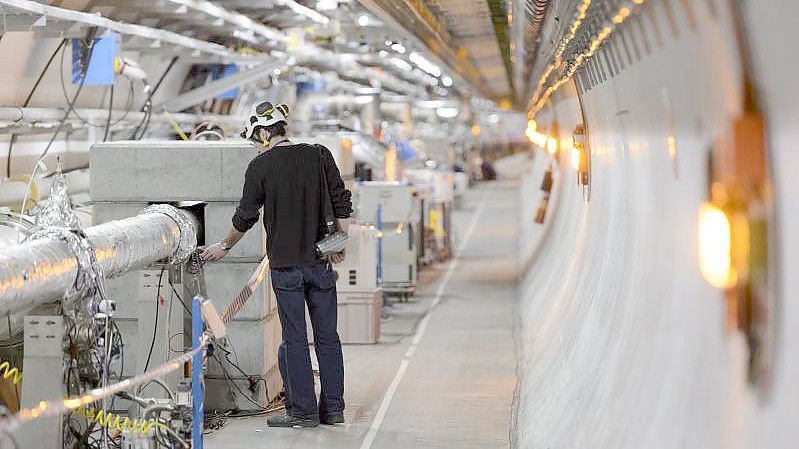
<point>43,270</point>
<point>55,219</point>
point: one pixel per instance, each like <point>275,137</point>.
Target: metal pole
<point>380,244</point>
<point>197,416</point>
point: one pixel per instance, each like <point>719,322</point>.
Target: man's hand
<point>338,257</point>
<point>344,224</point>
<point>213,253</point>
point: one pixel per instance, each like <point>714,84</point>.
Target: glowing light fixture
<point>304,11</point>
<point>326,5</point>
<point>552,145</point>
<point>576,156</point>
<point>363,99</point>
<point>671,142</point>
<point>424,64</point>
<point>401,64</point>
<point>363,20</point>
<point>399,48</point>
<point>536,137</point>
<point>447,112</point>
<point>446,81</point>
<point>715,247</point>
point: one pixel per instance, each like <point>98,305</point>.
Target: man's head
<point>266,122</point>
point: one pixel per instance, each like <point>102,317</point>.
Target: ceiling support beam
<point>214,88</point>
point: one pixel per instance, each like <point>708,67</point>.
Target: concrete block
<point>112,172</point>
<point>224,281</point>
<point>220,395</point>
<point>252,246</point>
<point>177,173</point>
<point>234,165</point>
<point>105,212</point>
<point>252,345</point>
<point>167,171</point>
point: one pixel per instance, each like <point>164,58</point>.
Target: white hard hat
<point>265,114</point>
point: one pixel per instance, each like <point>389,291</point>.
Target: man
<point>286,180</point>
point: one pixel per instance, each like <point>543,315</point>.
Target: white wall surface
<point>624,343</point>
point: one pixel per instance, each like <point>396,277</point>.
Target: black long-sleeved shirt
<point>286,182</point>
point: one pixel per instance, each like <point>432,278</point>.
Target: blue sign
<point>227,70</point>
<point>101,66</point>
<point>405,151</point>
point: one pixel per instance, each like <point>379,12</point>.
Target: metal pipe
<point>42,270</point>
<point>10,115</point>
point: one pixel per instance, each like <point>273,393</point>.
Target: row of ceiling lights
<point>249,28</point>
<point>422,63</point>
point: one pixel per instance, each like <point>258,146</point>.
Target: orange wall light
<point>715,247</point>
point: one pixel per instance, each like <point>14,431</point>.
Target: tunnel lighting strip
<point>582,11</point>
<point>233,18</point>
<point>304,10</point>
<point>621,16</point>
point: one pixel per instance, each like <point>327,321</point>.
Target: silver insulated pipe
<point>41,271</point>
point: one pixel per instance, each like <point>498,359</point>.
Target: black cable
<point>128,103</point>
<point>148,103</point>
<point>235,385</point>
<point>155,326</point>
<point>121,351</point>
<point>163,76</point>
<point>71,106</point>
<point>28,100</point>
<point>175,291</point>
<point>147,121</point>
<point>110,110</point>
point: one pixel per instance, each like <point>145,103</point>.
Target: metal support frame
<point>26,15</point>
<point>209,90</point>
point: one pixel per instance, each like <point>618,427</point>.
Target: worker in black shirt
<point>285,180</point>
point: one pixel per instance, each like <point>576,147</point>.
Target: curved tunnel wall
<point>624,343</point>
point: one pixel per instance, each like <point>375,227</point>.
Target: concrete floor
<point>444,373</point>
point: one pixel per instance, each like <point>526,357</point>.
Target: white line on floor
<point>417,338</point>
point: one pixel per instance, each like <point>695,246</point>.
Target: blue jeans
<point>314,284</point>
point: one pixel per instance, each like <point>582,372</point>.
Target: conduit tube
<point>41,271</point>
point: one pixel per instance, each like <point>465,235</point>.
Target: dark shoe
<point>332,418</point>
<point>291,421</point>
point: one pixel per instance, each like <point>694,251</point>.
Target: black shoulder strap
<point>328,217</point>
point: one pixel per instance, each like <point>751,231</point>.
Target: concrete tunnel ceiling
<point>471,35</point>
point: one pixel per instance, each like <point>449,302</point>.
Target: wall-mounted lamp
<point>581,159</point>
<point>715,247</point>
<point>546,187</point>
<point>552,145</point>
